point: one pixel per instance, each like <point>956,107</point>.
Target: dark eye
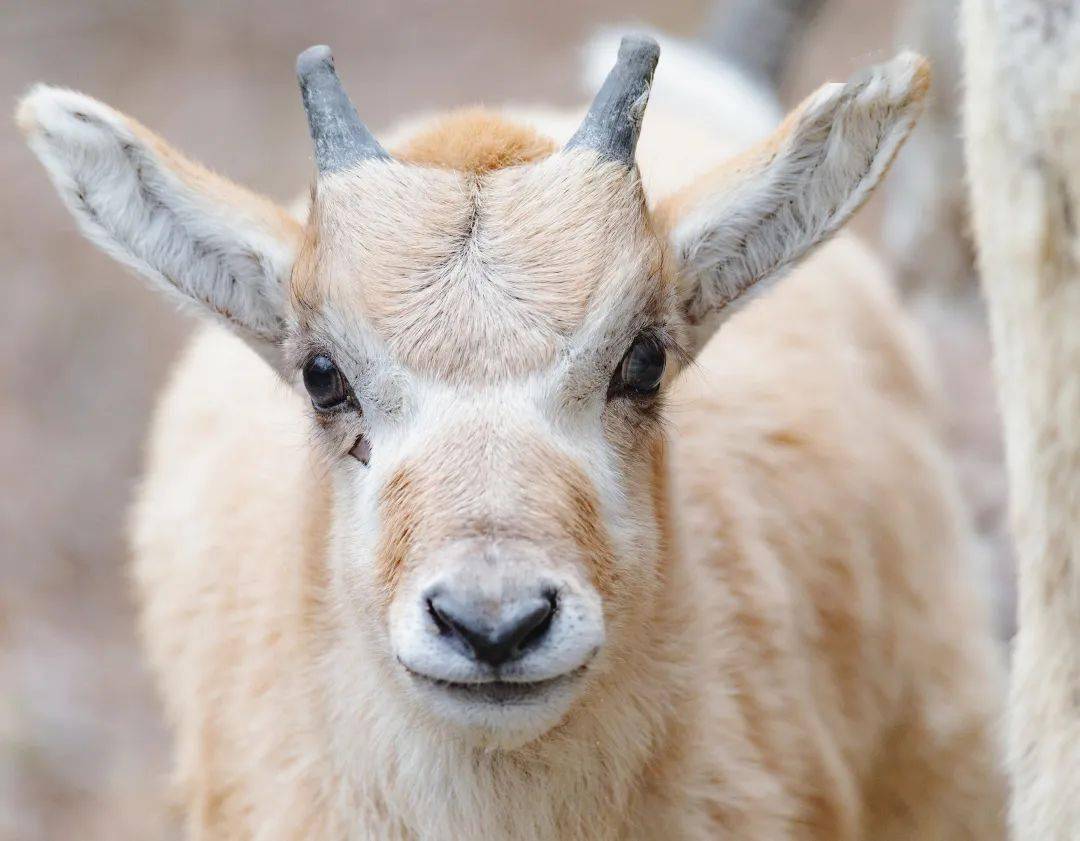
<point>642,369</point>
<point>324,383</point>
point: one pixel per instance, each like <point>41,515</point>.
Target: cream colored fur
<point>1023,146</point>
<point>793,648</point>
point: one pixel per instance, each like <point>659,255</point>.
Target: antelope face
<point>484,328</point>
<point>492,349</point>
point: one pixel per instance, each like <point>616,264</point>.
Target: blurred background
<point>84,346</point>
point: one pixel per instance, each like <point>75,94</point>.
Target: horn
<point>613,123</point>
<point>341,139</point>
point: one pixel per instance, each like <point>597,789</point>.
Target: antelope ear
<point>744,226</point>
<point>194,235</point>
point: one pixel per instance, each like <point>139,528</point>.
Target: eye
<point>642,368</point>
<point>324,384</point>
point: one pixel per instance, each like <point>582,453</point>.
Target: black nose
<point>493,643</point>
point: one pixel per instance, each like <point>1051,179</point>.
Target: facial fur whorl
<point>443,264</point>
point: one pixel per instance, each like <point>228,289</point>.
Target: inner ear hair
<point>196,236</point>
<point>740,229</point>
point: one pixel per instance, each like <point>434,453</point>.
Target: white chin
<point>511,714</point>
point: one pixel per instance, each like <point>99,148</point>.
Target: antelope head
<point>484,327</point>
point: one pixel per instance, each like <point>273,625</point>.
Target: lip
<point>498,692</point>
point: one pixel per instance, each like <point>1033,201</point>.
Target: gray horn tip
<point>639,47</point>
<point>612,126</point>
<point>341,139</point>
<point>314,58</point>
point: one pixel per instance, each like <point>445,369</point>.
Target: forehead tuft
<point>474,140</point>
<point>475,276</point>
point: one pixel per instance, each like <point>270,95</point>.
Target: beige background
<point>83,346</point>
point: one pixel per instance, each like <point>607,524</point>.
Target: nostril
<point>493,644</point>
<point>540,631</point>
<point>445,626</point>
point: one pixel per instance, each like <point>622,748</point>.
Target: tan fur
<point>401,514</point>
<point>474,140</point>
<point>429,276</point>
<point>422,504</point>
<point>577,513</point>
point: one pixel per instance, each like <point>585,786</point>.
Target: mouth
<point>499,692</point>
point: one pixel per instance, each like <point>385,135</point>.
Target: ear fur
<point>194,235</point>
<point>741,228</point>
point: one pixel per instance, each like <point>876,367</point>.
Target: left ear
<point>744,226</point>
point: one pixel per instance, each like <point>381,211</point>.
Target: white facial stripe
<point>530,410</point>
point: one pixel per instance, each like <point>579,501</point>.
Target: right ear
<point>198,237</point>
